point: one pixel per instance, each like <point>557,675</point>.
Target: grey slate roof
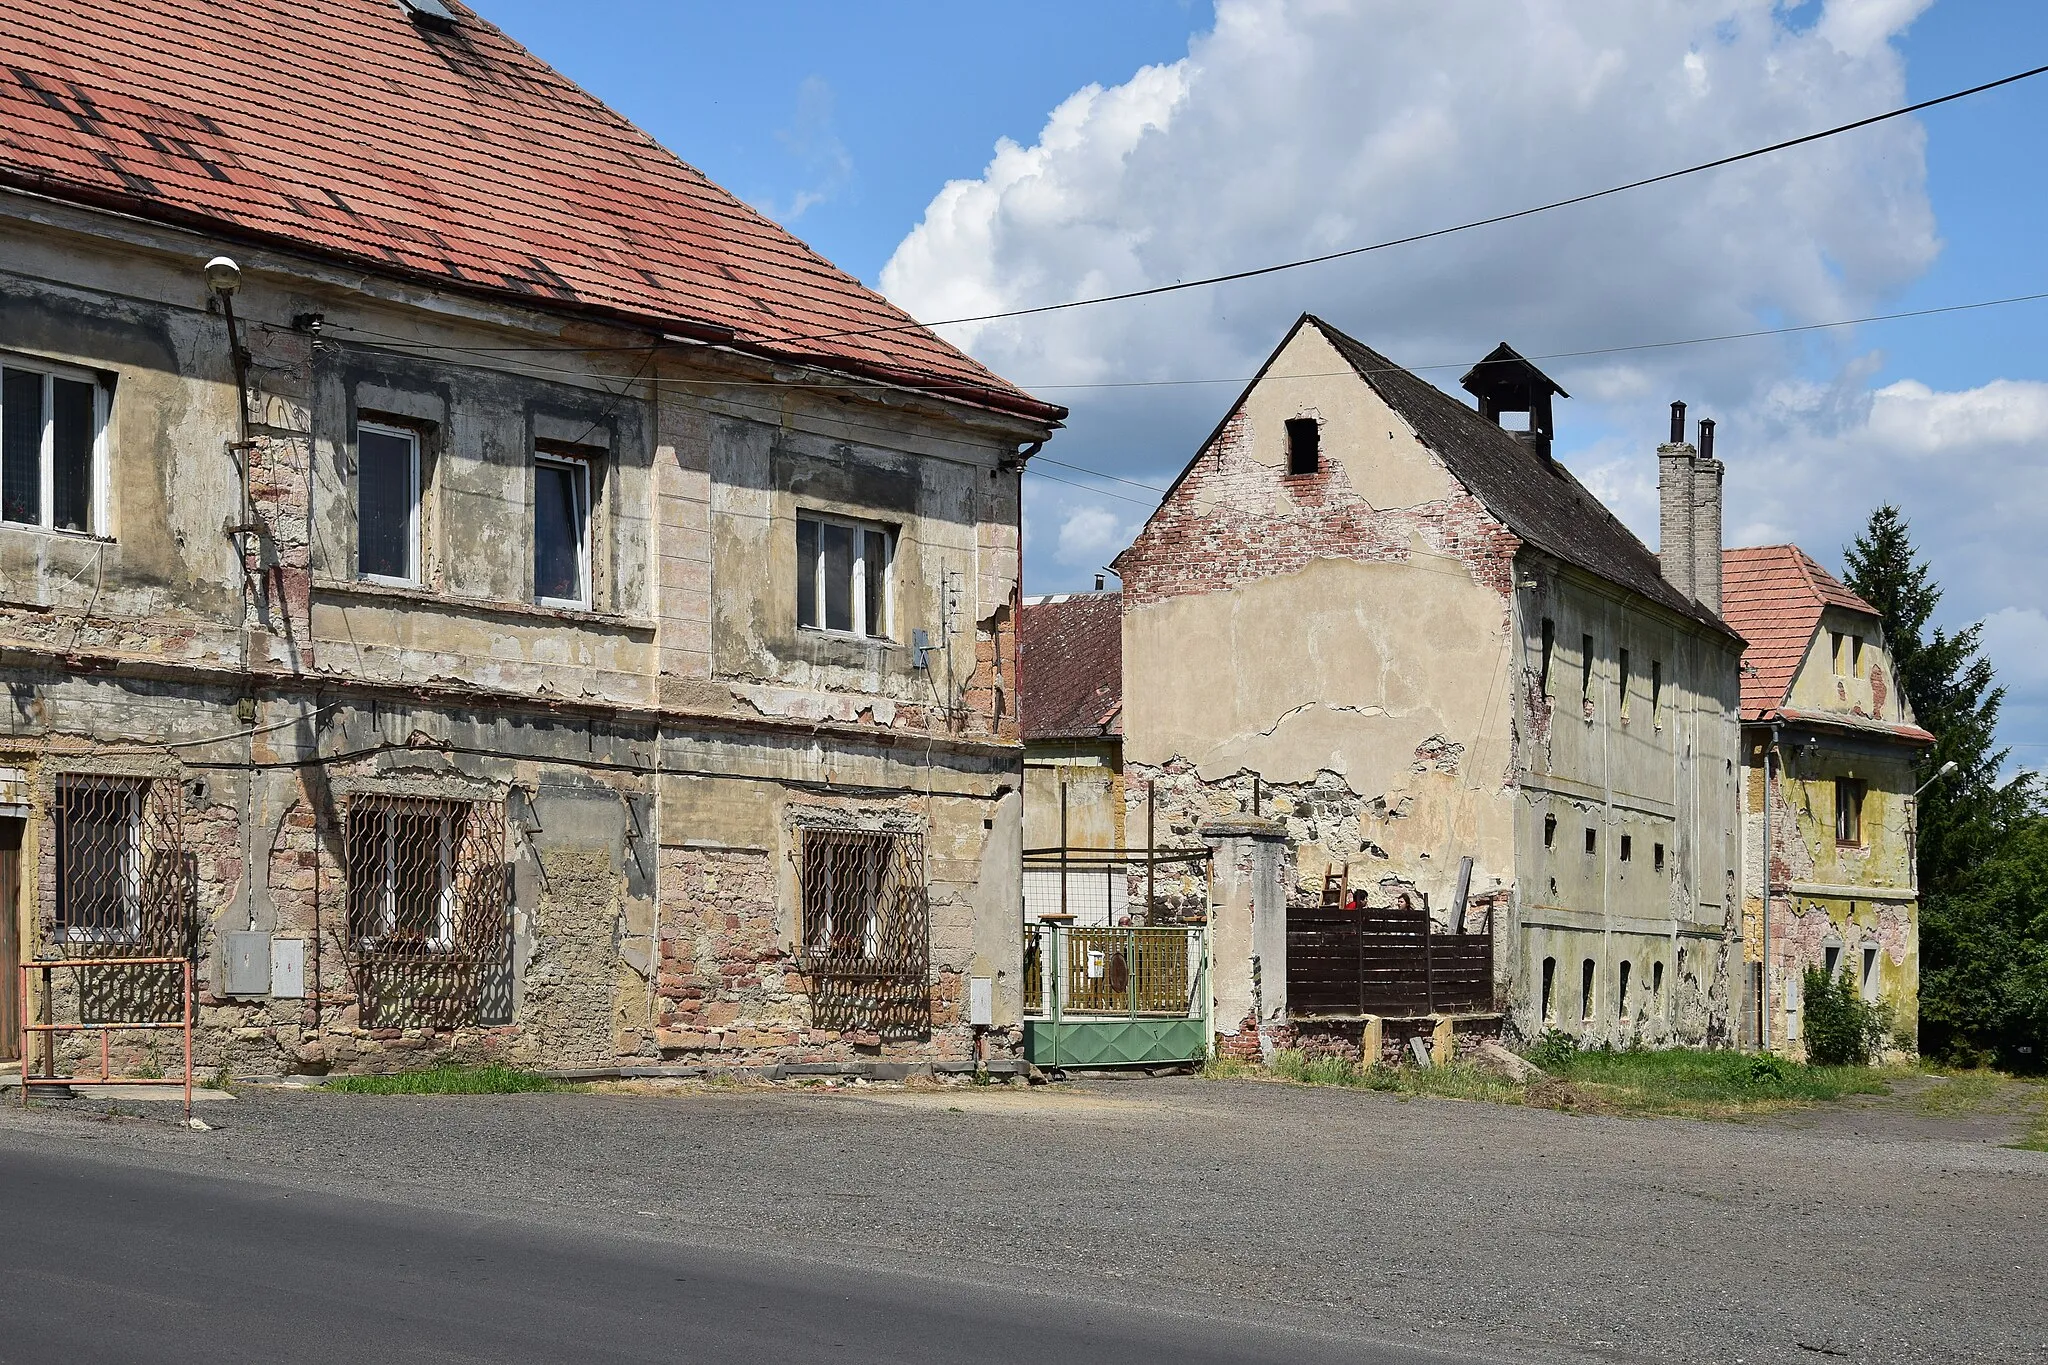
<point>1537,498</point>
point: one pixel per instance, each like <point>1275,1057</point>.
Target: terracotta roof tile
<point>346,129</point>
<point>1774,595</point>
<point>1070,666</point>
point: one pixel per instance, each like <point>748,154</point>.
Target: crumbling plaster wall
<point>1363,614</point>
<point>1824,893</point>
<point>1625,829</point>
<point>464,683</point>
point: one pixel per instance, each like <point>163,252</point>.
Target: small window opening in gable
<point>1657,988</point>
<point>1549,830</point>
<point>1628,847</point>
<point>1657,692</point>
<point>1304,445</point>
<point>1622,682</point>
<point>1656,857</point>
<point>1869,977</point>
<point>1549,648</point>
<point>1592,840</point>
<point>1549,1003</point>
<point>1855,656</point>
<point>1586,990</point>
<point>1837,654</point>
<point>1622,1001</point>
<point>1586,668</point>
<point>1831,959</point>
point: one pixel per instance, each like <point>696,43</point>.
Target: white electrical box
<point>1096,964</point>
<point>981,1001</point>
<point>288,968</point>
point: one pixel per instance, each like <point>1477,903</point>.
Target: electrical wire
<point>1257,271</point>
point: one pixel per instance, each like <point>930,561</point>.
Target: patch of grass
<point>1666,1082</point>
<point>1965,1092</point>
<point>2037,1139</point>
<point>1710,1084</point>
<point>447,1080</point>
<point>1229,1069</point>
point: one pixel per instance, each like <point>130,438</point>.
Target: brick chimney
<point>1706,522</point>
<point>1675,507</point>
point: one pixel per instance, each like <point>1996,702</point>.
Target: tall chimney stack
<point>1675,509</point>
<point>1706,522</point>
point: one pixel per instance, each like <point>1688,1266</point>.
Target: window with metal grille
<point>401,872</point>
<point>866,928</point>
<point>99,858</point>
<point>52,427</point>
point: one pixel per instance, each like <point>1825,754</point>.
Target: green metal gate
<point>1098,996</point>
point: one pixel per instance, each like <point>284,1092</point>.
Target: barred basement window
<point>99,858</point>
<point>401,863</point>
<point>866,929</point>
<point>123,876</point>
<point>427,907</point>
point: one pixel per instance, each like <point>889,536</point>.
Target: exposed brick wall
<point>1232,520</point>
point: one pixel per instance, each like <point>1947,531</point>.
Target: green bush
<point>1842,1028</point>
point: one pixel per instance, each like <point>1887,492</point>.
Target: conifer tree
<point>1967,820</point>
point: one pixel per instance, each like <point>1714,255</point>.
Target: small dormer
<point>1505,383</point>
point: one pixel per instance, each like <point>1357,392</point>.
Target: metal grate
<point>124,882</point>
<point>866,930</point>
<point>426,906</point>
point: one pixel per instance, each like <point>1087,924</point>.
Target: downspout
<point>1763,1015</point>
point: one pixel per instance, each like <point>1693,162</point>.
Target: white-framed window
<point>53,430</point>
<point>387,503</point>
<point>99,858</point>
<point>561,530</point>
<point>842,576</point>
<point>401,872</point>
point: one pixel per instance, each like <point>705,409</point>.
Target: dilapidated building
<point>470,584</point>
<point>1070,702</point>
<point>1829,770</point>
<point>1403,636</point>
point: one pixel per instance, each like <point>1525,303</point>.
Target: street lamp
<point>1943,771</point>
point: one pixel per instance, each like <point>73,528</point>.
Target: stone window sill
<point>427,598</point>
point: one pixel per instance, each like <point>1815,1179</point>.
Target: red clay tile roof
<point>1773,595</point>
<point>346,129</point>
<point>1070,666</point>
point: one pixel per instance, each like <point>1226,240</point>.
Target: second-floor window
<point>387,503</point>
<point>1848,811</point>
<point>52,425</point>
<point>561,531</point>
<point>842,575</point>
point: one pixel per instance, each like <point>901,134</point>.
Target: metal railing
<point>126,967</point>
<point>1132,972</point>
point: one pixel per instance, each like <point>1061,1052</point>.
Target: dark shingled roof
<point>1070,666</point>
<point>1537,497</point>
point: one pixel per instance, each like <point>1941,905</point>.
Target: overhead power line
<point>1274,269</point>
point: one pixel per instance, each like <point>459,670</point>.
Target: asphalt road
<point>1172,1218</point>
<point>105,1263</point>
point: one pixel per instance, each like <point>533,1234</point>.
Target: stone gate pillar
<point>1248,933</point>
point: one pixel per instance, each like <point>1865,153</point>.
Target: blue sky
<point>847,121</point>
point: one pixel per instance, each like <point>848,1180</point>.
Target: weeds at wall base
<point>447,1080</point>
<point>1675,1082</point>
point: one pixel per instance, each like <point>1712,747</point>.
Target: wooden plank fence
<point>1383,960</point>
